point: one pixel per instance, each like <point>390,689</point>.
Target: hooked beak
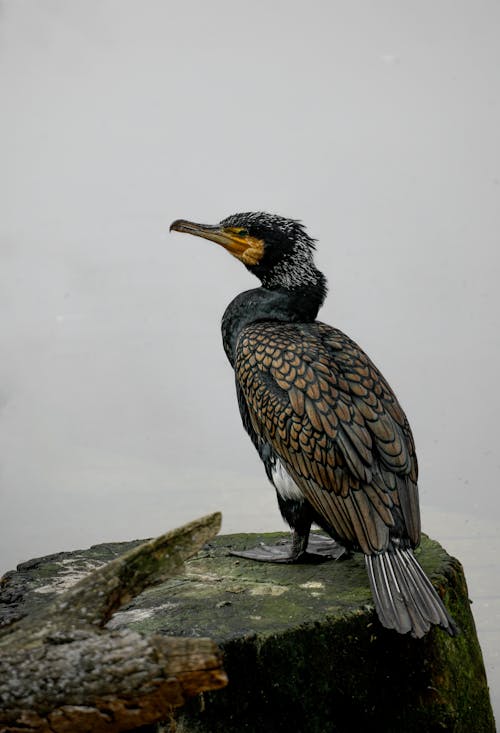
<point>246,248</point>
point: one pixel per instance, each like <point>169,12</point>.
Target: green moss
<point>317,663</point>
<point>303,648</point>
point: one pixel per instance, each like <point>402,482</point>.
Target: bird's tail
<point>404,597</point>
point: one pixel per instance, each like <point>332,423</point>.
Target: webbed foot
<point>319,549</point>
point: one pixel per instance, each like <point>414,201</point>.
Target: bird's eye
<point>242,233</point>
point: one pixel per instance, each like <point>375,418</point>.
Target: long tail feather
<point>404,597</point>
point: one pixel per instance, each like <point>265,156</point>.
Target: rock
<point>304,650</point>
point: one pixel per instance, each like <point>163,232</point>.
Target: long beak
<point>247,249</point>
<point>207,231</point>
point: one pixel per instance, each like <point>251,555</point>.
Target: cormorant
<point>333,438</point>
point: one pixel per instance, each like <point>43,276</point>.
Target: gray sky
<point>375,123</point>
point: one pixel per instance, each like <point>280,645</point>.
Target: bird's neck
<point>300,305</point>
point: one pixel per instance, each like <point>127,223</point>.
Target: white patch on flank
<point>285,485</point>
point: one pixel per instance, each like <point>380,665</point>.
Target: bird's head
<point>275,249</point>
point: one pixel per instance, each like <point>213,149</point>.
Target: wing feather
<point>315,396</point>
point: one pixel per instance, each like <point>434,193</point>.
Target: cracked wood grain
<point>61,670</point>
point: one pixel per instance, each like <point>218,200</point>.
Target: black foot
<point>322,549</point>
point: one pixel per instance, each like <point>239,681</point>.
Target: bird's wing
<point>316,397</point>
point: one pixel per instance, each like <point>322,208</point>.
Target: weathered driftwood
<point>62,671</point>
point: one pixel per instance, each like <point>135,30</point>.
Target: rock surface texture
<point>303,649</point>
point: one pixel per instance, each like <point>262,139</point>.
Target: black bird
<point>333,438</point>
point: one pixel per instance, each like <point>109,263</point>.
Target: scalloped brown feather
<point>329,414</point>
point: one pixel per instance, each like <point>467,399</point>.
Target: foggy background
<point>377,124</point>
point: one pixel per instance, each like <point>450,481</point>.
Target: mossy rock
<point>304,651</point>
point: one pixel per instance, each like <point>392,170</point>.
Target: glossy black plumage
<point>334,439</point>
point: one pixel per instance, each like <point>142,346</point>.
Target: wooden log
<point>303,648</point>
<point>62,670</point>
